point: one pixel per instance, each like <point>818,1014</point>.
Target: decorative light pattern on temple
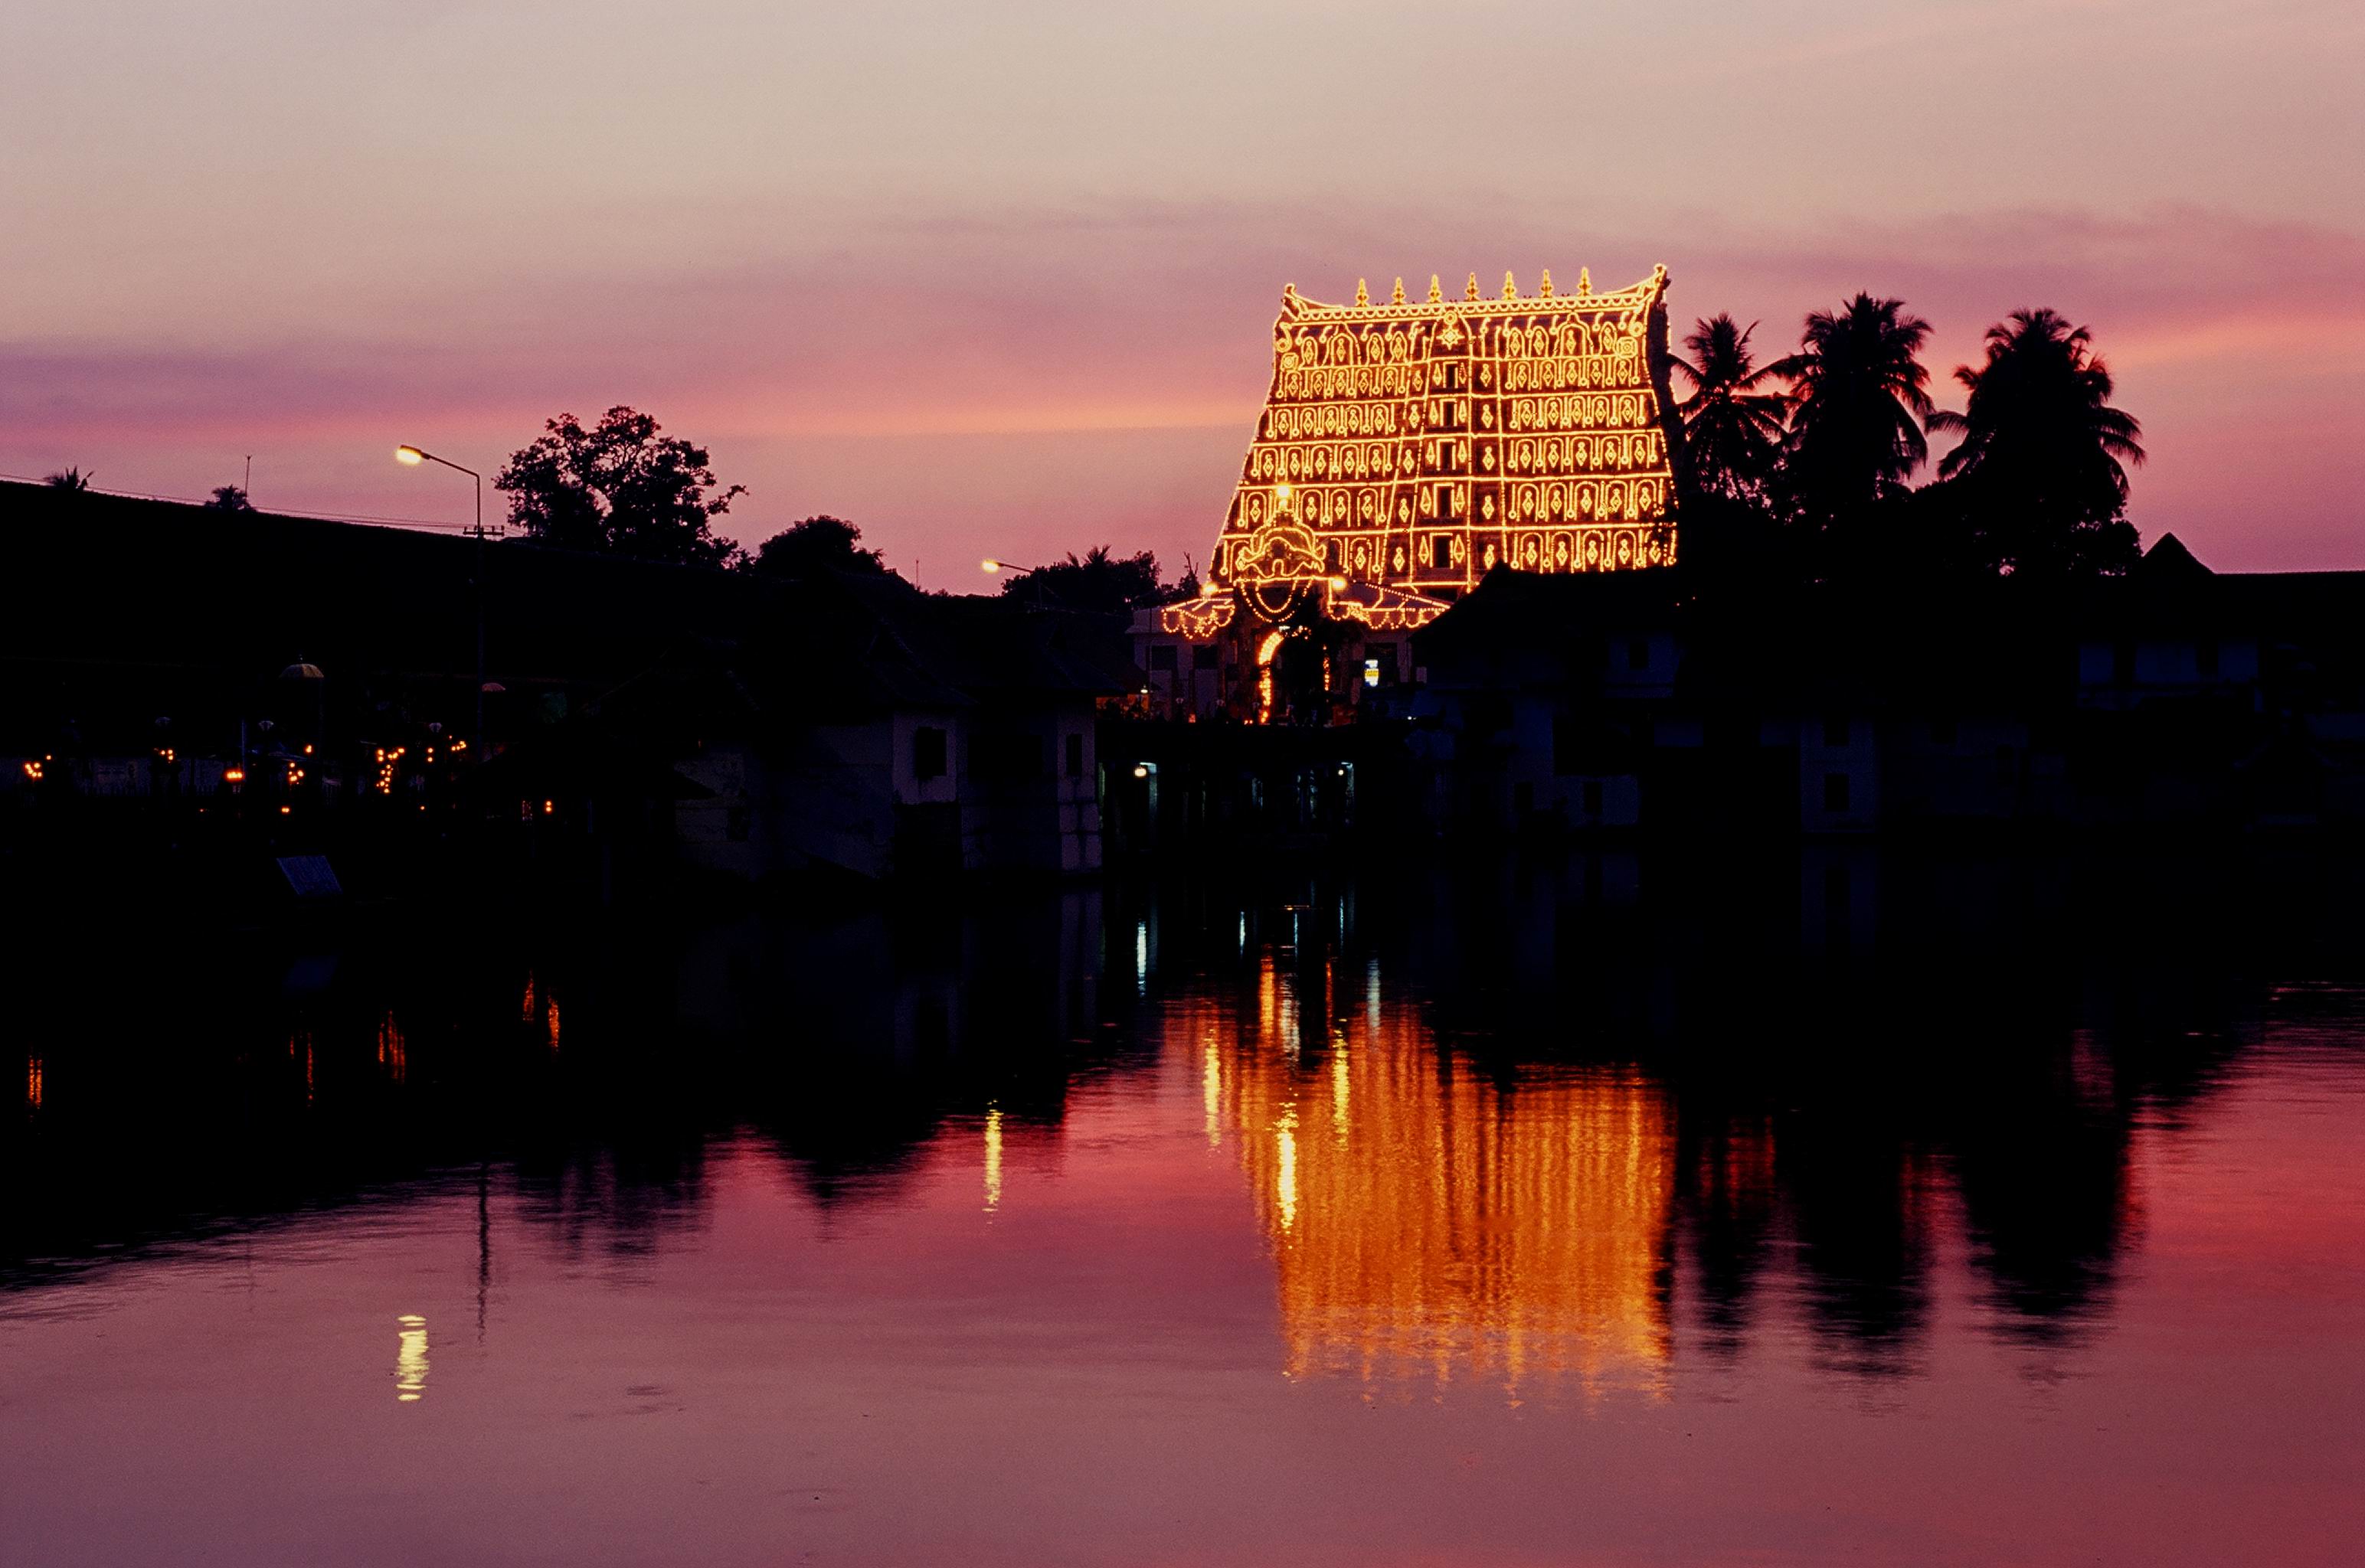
<point>1429,1222</point>
<point>1407,448</point>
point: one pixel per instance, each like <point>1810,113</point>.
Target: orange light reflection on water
<point>993,1160</point>
<point>1428,1221</point>
<point>393,1052</point>
<point>411,1359</point>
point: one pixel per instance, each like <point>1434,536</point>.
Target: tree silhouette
<point>1732,431</point>
<point>1101,582</point>
<point>2041,467</point>
<point>1859,393</point>
<point>69,479</point>
<point>620,487</point>
<point>818,544</point>
<point>228,498</point>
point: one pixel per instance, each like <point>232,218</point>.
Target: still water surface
<point>1606,1213</point>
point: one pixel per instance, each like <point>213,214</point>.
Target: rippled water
<point>1846,1208</point>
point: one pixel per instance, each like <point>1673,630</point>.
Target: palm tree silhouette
<point>69,478</point>
<point>1732,431</point>
<point>2044,456</point>
<point>1859,393</point>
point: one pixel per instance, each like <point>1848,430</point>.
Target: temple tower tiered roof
<point>1407,447</point>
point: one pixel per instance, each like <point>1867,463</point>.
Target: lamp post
<point>1043,594</point>
<point>414,456</point>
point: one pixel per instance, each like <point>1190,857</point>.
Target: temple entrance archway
<point>1293,675</point>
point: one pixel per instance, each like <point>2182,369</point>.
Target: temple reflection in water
<point>1507,1131</point>
<point>1428,1221</point>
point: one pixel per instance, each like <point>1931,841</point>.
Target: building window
<point>1835,791</point>
<point>928,753</point>
<point>1835,731</point>
<point>1161,657</point>
<point>1440,552</point>
<point>1638,653</point>
<point>1076,756</point>
<point>1203,656</point>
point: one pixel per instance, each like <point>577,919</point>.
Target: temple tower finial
<point>1510,286</point>
<point>1544,290</point>
<point>1362,292</point>
<point>1472,290</point>
<point>1435,293</point>
<point>1397,297</point>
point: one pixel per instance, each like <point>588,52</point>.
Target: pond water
<point>1836,1207</point>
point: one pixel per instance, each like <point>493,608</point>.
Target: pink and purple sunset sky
<point>998,278</point>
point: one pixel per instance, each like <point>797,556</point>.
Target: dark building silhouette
<point>316,681</point>
<point>2172,695</point>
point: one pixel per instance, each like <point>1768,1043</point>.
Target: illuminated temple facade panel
<point>1417,445</point>
<point>1428,1224</point>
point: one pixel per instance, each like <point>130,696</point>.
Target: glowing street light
<point>1042,591</point>
<point>412,457</point>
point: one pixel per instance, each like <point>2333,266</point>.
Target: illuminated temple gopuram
<point>1407,448</point>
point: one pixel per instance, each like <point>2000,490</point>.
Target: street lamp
<point>413,456</point>
<point>1042,592</point>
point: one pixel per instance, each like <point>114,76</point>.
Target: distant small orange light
<point>284,809</point>
<point>546,808</point>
